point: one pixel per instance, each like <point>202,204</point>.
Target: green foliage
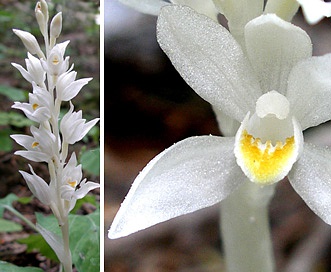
<point>35,242</point>
<point>25,200</point>
<point>7,267</point>
<point>9,226</point>
<point>7,201</point>
<point>12,93</point>
<point>90,160</point>
<point>84,239</point>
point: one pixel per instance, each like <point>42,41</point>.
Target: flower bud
<point>30,42</point>
<point>56,26</point>
<point>42,7</point>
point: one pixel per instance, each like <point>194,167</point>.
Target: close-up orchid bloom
<point>276,90</point>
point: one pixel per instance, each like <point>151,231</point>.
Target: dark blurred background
<point>148,107</point>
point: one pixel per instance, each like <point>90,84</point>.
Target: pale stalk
<point>67,264</point>
<point>244,224</point>
<point>245,229</point>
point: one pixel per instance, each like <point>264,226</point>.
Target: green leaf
<point>35,242</point>
<point>85,241</point>
<point>9,226</point>
<point>8,200</point>
<point>25,199</point>
<point>84,231</point>
<point>90,161</point>
<point>14,118</point>
<point>8,267</point>
<point>13,94</point>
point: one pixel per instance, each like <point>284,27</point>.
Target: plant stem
<point>245,229</point>
<point>67,265</point>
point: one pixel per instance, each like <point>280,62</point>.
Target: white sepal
<point>37,186</point>
<point>309,91</point>
<point>311,179</point>
<point>190,175</point>
<point>216,68</point>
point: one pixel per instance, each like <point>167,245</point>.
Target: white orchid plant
<point>53,82</point>
<point>266,88</point>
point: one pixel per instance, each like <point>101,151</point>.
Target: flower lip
<point>269,142</point>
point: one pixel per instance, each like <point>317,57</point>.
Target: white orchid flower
<point>34,71</point>
<point>39,107</point>
<point>40,147</point>
<point>67,87</point>
<point>74,127</point>
<point>276,91</point>
<point>315,10</point>
<point>56,64</point>
<point>71,180</point>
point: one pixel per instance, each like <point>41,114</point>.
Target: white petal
<point>192,174</point>
<point>284,9</point>
<point>33,155</point>
<point>209,59</point>
<point>23,72</point>
<point>309,91</point>
<point>85,188</point>
<point>146,6</point>
<point>274,46</point>
<point>311,179</point>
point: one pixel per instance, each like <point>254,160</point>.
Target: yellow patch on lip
<point>35,144</point>
<point>35,106</point>
<point>264,161</point>
<point>55,61</point>
<point>72,183</point>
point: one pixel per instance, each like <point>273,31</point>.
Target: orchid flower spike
<point>53,82</point>
<point>276,89</point>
